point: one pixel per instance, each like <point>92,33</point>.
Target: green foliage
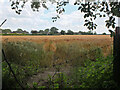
<point>90,68</point>
<point>62,32</point>
<point>22,34</point>
<point>27,53</point>
<point>34,31</point>
<point>104,34</point>
<point>110,9</point>
<point>32,54</point>
<point>8,80</point>
<point>98,74</point>
<point>54,30</point>
<point>5,31</point>
<point>69,32</point>
<point>60,81</point>
<point>87,33</point>
<point>19,30</point>
<point>94,74</point>
<point>41,31</point>
<point>46,31</point>
<point>25,61</point>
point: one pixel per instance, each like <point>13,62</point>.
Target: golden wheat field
<point>66,38</point>
<point>84,41</point>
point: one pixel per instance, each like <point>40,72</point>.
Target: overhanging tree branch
<point>90,9</point>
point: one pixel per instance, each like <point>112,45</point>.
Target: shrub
<point>95,74</point>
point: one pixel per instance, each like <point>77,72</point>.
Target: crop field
<point>82,41</point>
<point>34,58</point>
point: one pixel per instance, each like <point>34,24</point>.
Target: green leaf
<point>79,8</point>
<point>13,7</point>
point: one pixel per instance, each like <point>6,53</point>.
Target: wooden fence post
<point>116,53</point>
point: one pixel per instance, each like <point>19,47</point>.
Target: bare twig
<point>54,74</point>
<point>12,70</point>
<point>9,63</point>
<point>3,22</point>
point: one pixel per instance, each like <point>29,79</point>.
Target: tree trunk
<point>116,53</point>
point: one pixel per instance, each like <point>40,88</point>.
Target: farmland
<point>83,41</point>
<point>35,56</point>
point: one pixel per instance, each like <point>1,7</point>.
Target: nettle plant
<point>92,9</point>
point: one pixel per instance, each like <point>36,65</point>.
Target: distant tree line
<point>51,31</point>
<point>54,31</point>
<point>18,31</point>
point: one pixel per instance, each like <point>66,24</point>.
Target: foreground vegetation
<point>90,65</point>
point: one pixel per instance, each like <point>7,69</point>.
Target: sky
<point>28,20</point>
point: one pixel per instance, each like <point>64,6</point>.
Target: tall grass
<point>26,53</point>
<point>28,58</point>
<point>45,54</point>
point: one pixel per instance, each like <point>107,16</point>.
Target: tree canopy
<point>91,10</point>
<point>70,32</point>
<point>6,31</point>
<point>46,31</point>
<point>53,30</point>
<point>62,32</point>
<point>34,31</point>
<point>19,30</point>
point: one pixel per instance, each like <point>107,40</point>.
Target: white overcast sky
<point>28,20</point>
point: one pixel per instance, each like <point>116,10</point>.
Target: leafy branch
<point>91,10</point>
